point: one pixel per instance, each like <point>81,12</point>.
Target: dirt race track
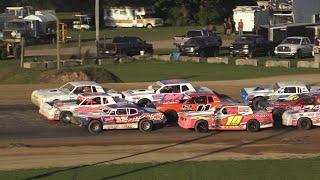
<point>27,140</point>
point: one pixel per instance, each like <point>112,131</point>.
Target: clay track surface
<point>27,140</point>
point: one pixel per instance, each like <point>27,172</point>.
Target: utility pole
<point>58,45</point>
<point>22,52</point>
<point>97,18</point>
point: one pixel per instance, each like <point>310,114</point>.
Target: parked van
<point>130,17</point>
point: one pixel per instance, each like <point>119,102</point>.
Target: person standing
<point>240,27</point>
<point>233,26</point>
<point>225,25</point>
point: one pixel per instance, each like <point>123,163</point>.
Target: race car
<point>64,110</point>
<point>69,91</point>
<point>305,119</point>
<point>121,116</point>
<point>299,101</point>
<point>229,117</point>
<point>257,96</point>
<point>167,90</point>
<point>191,101</point>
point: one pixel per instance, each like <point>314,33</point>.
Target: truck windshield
<point>291,41</point>
<point>194,33</point>
<point>16,25</point>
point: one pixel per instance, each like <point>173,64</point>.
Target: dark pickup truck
<point>126,45</point>
<point>202,46</point>
<point>251,45</point>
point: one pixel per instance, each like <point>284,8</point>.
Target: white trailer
<point>130,17</point>
<point>252,17</point>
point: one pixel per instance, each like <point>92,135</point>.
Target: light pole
<point>97,18</point>
<point>58,44</point>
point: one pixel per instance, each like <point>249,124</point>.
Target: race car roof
<point>173,81</point>
<point>84,83</point>
<point>123,105</point>
<point>200,94</point>
<point>290,83</point>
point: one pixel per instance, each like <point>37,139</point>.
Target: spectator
<point>225,25</point>
<point>211,29</point>
<point>229,26</point>
<point>240,27</point>
<point>316,45</point>
<point>233,25</point>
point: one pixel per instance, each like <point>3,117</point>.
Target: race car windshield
<point>291,41</point>
<point>67,88</point>
<point>275,87</point>
<point>155,86</point>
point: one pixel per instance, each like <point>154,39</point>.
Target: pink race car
<point>229,117</point>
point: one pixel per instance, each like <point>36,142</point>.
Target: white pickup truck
<point>180,40</point>
<point>255,96</point>
<point>69,91</point>
<point>167,90</point>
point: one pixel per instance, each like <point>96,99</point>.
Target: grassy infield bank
<point>292,169</point>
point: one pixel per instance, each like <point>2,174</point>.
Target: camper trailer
<point>130,17</point>
<point>252,17</point>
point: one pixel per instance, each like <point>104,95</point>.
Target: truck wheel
<point>257,103</point>
<point>203,54</point>
<point>17,52</point>
<point>253,125</point>
<point>277,117</point>
<point>145,125</point>
<point>216,52</point>
<point>95,127</point>
<point>144,102</point>
<point>172,116</point>
<point>149,26</point>
<point>66,117</point>
<point>298,55</point>
<point>201,126</point>
<point>304,123</point>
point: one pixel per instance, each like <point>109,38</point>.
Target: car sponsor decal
<point>234,120</point>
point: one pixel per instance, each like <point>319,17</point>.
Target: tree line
<point>174,12</point>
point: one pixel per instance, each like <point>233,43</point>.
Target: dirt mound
<point>99,75</point>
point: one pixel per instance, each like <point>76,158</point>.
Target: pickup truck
<point>180,40</point>
<point>202,46</point>
<point>257,96</point>
<point>126,45</point>
<point>298,47</point>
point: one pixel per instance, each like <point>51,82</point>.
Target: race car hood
<point>138,92</point>
<point>44,93</point>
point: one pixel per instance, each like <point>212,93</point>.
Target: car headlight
<point>246,46</point>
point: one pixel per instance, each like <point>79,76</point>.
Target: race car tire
<point>304,124</point>
<point>65,117</point>
<point>95,127</point>
<point>145,125</point>
<point>172,116</point>
<point>253,125</point>
<point>256,103</point>
<point>144,102</point>
<point>201,126</point>
<point>277,117</point>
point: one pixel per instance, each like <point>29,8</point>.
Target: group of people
<point>229,26</point>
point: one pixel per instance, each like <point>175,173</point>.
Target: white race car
<point>64,110</point>
<point>304,118</point>
<point>167,90</point>
<point>69,91</point>
<point>279,91</point>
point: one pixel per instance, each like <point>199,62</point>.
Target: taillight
<point>115,48</point>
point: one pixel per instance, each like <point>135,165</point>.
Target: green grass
<point>241,170</point>
<point>66,15</point>
<point>142,71</point>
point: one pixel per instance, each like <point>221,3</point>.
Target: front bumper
<point>284,54</point>
<point>50,114</point>
<point>239,52</point>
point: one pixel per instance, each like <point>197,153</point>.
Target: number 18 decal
<point>234,120</point>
